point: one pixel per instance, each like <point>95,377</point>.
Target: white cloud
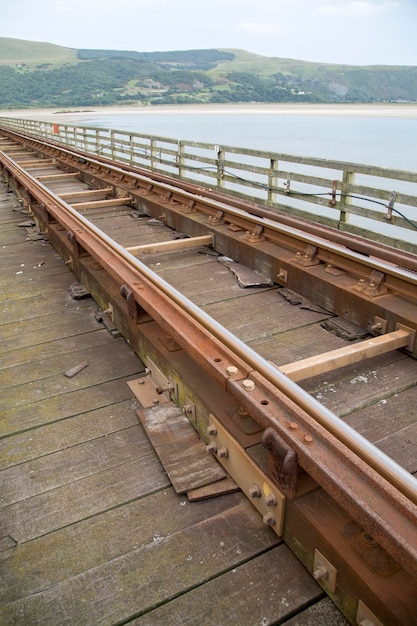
<point>356,8</point>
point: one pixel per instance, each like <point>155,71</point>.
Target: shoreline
<point>281,109</point>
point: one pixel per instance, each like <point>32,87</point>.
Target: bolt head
<point>248,385</point>
<point>269,519</point>
<point>211,430</point>
<point>211,448</point>
<point>254,491</point>
<point>271,500</point>
<point>223,453</point>
<point>231,370</point>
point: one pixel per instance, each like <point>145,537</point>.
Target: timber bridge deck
<point>226,432</point>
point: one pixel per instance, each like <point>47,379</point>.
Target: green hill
<point>35,74</point>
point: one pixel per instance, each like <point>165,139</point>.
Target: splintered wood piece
<point>220,488</point>
<point>175,244</point>
<point>246,277</point>
<point>76,369</point>
<point>179,448</point>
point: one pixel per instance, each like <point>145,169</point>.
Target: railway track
<point>259,331</point>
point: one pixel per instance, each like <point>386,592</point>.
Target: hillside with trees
<point>34,74</point>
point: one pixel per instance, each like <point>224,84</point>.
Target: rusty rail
<point>362,468</point>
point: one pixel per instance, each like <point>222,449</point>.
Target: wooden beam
<point>328,361</point>
<point>101,204</point>
<point>86,193</point>
<point>175,244</point>
<point>45,177</point>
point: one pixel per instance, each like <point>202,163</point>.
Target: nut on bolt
<point>270,500</point>
<point>223,453</point>
<point>254,491</point>
<point>269,519</point>
<point>231,370</point>
<point>211,430</point>
<point>248,385</point>
<point>211,448</point>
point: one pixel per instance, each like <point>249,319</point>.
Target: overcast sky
<point>333,31</point>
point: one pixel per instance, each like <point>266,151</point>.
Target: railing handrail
<point>352,197</point>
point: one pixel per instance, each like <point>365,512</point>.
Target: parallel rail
<point>375,202</point>
<point>380,495</point>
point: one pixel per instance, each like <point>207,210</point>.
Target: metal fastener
<point>308,439</point>
<point>211,430</point>
<point>320,573</point>
<point>271,499</point>
<point>254,491</point>
<point>249,385</point>
<point>269,519</point>
<point>223,453</point>
<point>211,448</point>
<point>231,370</point>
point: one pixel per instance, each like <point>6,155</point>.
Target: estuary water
<point>386,140</point>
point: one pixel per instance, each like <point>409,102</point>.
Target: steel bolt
<point>269,519</point>
<point>231,370</point>
<point>293,425</point>
<point>308,439</point>
<point>211,448</point>
<point>320,573</point>
<point>271,499</point>
<point>248,385</point>
<point>187,409</point>
<point>254,491</point>
<point>223,453</point>
<point>211,430</point>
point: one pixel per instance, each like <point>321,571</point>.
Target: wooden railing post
<point>220,166</point>
<point>273,182</point>
<point>345,200</point>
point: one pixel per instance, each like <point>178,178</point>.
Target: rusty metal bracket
<point>133,307</point>
<point>309,257</point>
<point>372,286</point>
<point>261,491</point>
<point>282,462</point>
<point>217,219</point>
<point>255,235</point>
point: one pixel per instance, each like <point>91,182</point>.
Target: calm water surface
<point>383,141</point>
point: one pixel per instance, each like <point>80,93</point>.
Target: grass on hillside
<point>33,53</point>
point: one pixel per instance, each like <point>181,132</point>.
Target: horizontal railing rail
<point>374,202</point>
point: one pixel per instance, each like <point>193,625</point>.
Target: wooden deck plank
<point>62,553</point>
<point>246,595</point>
<point>70,464</point>
<point>363,384</point>
<point>45,440</point>
<point>100,370</point>
<point>142,581</point>
<point>56,408</point>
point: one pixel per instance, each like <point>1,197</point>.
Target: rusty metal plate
<point>260,490</point>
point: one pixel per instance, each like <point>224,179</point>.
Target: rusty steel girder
<point>381,497</point>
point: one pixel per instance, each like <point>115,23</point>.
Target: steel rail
<point>386,467</point>
<point>320,241</point>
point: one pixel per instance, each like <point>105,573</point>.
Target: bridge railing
<point>374,202</point>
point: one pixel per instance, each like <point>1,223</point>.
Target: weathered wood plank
<point>70,464</point>
<point>56,408</point>
<point>320,613</point>
<point>85,498</point>
<point>363,384</point>
<point>263,591</point>
<point>66,433</point>
<point>142,580</point>
<point>58,347</point>
<point>101,370</point>
<point>180,449</point>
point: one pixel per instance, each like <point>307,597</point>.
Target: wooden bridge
<point>226,432</point>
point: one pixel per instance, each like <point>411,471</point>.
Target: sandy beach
<point>64,116</point>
